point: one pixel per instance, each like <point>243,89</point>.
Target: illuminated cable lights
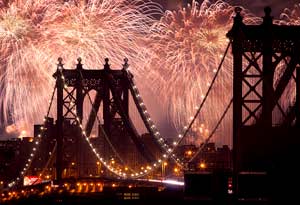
<point>147,120</point>
<point>35,143</point>
<point>99,157</point>
<point>120,173</point>
<point>145,115</point>
<point>169,151</point>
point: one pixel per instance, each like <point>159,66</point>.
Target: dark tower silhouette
<point>112,88</point>
<point>265,130</point>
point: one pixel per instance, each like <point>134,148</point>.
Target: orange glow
<point>10,129</point>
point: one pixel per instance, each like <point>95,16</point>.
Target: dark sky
<point>255,6</point>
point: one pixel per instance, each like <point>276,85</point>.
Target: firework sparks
<point>180,58</point>
<point>189,44</point>
<point>290,16</point>
<point>34,34</point>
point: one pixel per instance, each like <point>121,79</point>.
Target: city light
<point>193,30</point>
<point>202,165</point>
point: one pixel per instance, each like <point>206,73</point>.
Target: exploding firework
<point>189,45</point>
<point>34,34</point>
<point>290,16</point>
<point>179,55</point>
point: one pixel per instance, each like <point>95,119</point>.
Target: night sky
<point>255,6</point>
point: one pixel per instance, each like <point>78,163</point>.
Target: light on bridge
<point>202,165</point>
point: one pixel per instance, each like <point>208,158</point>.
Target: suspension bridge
<point>266,69</point>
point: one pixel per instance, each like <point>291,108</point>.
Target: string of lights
<point>147,118</point>
<point>118,172</point>
<point>36,143</point>
<point>151,125</point>
<point>213,132</point>
<point>152,128</point>
<point>99,121</point>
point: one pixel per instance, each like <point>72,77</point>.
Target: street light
<point>202,165</point>
<point>176,171</point>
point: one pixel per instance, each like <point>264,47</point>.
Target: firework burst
<point>34,34</point>
<point>290,16</point>
<point>188,46</point>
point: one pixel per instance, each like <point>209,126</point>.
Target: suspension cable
<point>47,163</point>
<point>149,123</point>
<point>153,128</point>
<point>213,131</point>
<point>137,174</point>
<point>134,175</point>
<point>51,101</point>
<point>207,93</point>
<point>99,122</point>
<point>36,143</point>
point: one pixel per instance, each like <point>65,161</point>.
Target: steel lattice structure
<point>265,64</point>
<point>112,89</point>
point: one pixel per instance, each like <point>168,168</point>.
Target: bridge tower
<point>266,98</point>
<point>112,89</point>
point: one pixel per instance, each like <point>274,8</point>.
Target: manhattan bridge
<point>264,148</point>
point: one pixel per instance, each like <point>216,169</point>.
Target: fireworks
<point>34,34</point>
<point>290,16</point>
<point>177,55</point>
<point>189,44</point>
